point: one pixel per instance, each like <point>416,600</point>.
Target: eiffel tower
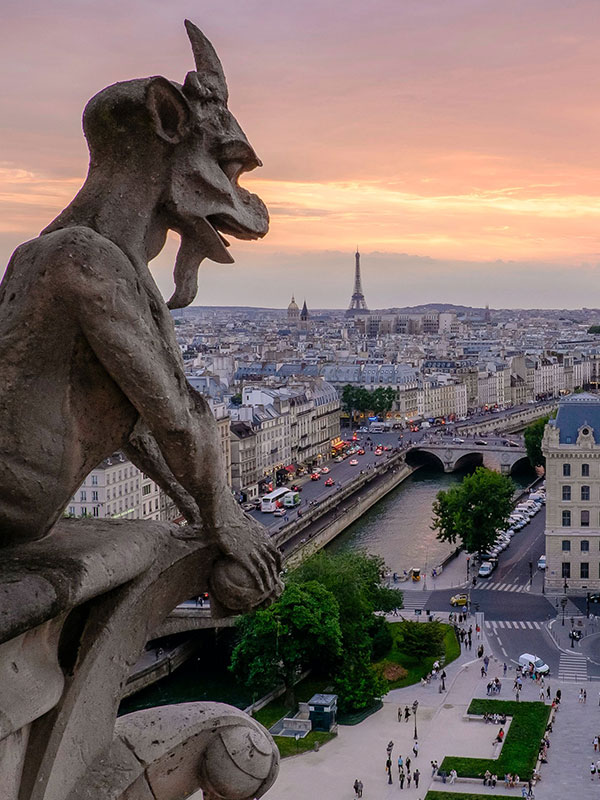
<point>358,304</point>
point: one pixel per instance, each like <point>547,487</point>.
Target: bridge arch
<point>468,460</point>
<point>423,458</point>
<point>520,464</point>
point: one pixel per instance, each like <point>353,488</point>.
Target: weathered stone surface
<point>90,366</point>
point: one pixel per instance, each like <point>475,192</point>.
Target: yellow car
<point>459,600</point>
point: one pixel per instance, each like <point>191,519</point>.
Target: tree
<point>354,579</point>
<point>421,640</point>
<point>349,398</point>
<point>533,442</point>
<point>475,510</point>
<point>300,630</point>
<point>594,329</point>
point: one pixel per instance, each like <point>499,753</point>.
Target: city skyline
<point>456,143</point>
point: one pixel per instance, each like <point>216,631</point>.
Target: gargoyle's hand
<point>247,574</point>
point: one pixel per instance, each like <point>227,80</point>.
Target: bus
<point>378,427</point>
<point>269,502</point>
<point>291,499</point>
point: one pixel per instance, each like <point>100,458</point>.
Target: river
<point>398,528</point>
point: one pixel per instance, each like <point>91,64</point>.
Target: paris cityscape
<point>300,476</point>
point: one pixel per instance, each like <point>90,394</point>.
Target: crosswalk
<point>415,600</point>
<point>519,625</point>
<point>572,667</point>
<point>499,586</point>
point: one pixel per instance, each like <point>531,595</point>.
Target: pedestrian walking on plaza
<point>399,713</point>
<point>453,776</point>
<point>548,692</point>
<point>407,764</point>
<point>504,669</point>
<point>359,791</point>
<point>542,696</point>
<point>580,698</point>
<point>400,763</point>
<point>401,778</point>
<point>595,743</point>
<point>388,769</point>
<point>584,696</point>
<point>486,661</point>
<point>408,779</point>
<point>434,768</point>
<point>592,770</point>
<point>389,748</point>
<point>406,713</point>
<point>356,788</point>
<point>416,776</point>
<point>415,749</point>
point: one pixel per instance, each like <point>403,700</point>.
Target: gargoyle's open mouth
<point>223,223</point>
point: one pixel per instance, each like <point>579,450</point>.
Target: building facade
<point>571,446</point>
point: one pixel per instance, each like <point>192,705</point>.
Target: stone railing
<point>76,610</point>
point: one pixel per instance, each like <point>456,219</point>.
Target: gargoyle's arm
<point>143,450</point>
<point>130,331</point>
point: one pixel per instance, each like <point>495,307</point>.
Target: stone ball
<point>240,763</point>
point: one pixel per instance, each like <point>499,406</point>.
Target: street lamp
<point>415,706</point>
<point>563,602</point>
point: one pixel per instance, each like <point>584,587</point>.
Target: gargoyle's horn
<point>208,66</point>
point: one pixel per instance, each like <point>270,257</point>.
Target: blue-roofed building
<point>571,446</point>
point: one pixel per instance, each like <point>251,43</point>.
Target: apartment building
<point>571,446</point>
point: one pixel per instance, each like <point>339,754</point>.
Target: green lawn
<point>416,668</point>
<point>521,745</point>
<point>277,709</point>
<point>462,796</point>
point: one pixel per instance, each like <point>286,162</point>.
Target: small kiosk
<point>323,711</point>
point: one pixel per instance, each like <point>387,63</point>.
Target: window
<point>96,511</point>
<point>566,470</point>
<point>566,492</point>
<point>566,569</point>
<point>72,510</point>
<point>566,519</point>
<point>584,570</point>
<point>585,519</point>
<point>82,497</point>
<point>83,511</point>
<point>585,470</point>
<point>584,546</point>
<point>94,496</point>
<point>94,480</point>
<point>585,492</point>
<point>566,545</point>
<point>146,489</point>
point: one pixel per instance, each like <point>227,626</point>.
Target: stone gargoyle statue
<point>90,365</point>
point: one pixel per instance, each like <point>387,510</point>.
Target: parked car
<point>354,462</point>
<point>459,600</point>
<point>325,470</point>
<point>279,512</point>
<point>361,452</point>
<point>542,562</point>
<point>486,569</point>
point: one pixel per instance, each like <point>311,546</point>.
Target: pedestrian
<point>389,748</point>
<point>504,669</point>
<point>416,776</point>
<point>415,749</point>
<point>408,779</point>
<point>434,767</point>
<point>401,778</point>
<point>493,780</point>
<point>595,743</point>
<point>399,713</point>
<point>584,696</point>
<point>592,770</point>
<point>483,671</point>
<point>356,788</point>
<point>486,661</point>
<point>548,692</point>
<point>406,713</point>
<point>360,788</point>
<point>542,696</point>
<point>580,698</point>
<point>400,763</point>
<point>407,763</point>
<point>388,769</point>
<point>453,775</point>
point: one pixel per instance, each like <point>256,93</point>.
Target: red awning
<point>339,444</point>
<point>291,468</point>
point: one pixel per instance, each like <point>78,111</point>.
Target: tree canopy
<point>359,399</point>
<point>533,442</point>
<point>475,510</point>
<point>300,630</point>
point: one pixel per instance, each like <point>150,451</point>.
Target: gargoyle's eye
<point>232,169</point>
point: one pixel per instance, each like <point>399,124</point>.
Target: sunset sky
<point>457,142</point>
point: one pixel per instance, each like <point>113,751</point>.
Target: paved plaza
<point>360,751</point>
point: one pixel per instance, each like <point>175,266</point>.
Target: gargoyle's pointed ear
<point>169,110</point>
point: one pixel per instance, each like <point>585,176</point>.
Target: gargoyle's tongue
<point>197,243</point>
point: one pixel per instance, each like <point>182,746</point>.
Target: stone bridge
<point>451,456</point>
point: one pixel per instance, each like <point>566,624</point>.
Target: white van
<point>527,659</point>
